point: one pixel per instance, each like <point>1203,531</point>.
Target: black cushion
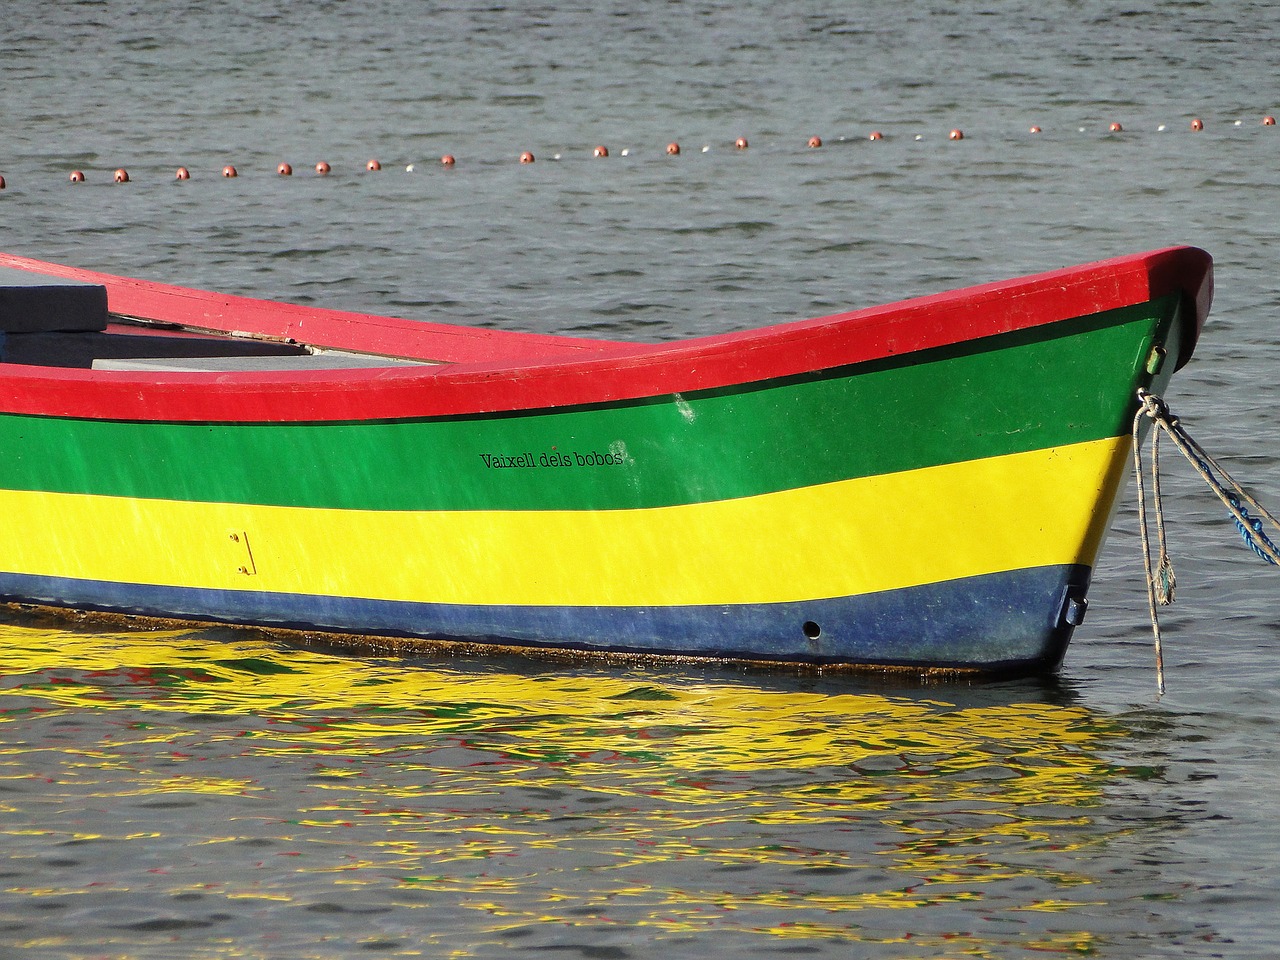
<point>32,302</point>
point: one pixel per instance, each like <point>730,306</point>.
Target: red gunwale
<point>485,371</point>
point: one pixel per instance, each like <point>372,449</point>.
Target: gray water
<point>220,794</point>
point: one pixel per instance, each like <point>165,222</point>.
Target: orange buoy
<point>600,151</point>
<point>1268,121</point>
<point>285,170</point>
<point>2,183</point>
<point>1034,128</point>
<point>76,176</point>
<point>229,171</point>
<point>815,142</point>
<point>740,143</point>
<point>373,165</point>
<point>526,157</point>
<point>322,168</point>
<point>448,160</point>
<point>876,135</point>
<point>182,174</point>
<point>121,175</point>
<point>956,134</point>
<point>1116,128</point>
<point>673,149</point>
<point>1197,124</point>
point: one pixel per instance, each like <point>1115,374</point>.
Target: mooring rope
<point>1161,582</point>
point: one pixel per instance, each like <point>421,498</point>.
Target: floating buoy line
<point>600,151</point>
<point>1252,527</point>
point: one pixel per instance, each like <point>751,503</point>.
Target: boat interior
<point>54,322</point>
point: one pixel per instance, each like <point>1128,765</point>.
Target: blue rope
<point>1251,531</point>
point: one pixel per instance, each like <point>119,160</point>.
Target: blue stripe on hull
<point>1009,621</point>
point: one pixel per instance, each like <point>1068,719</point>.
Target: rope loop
<point>1153,406</point>
<point>1161,581</point>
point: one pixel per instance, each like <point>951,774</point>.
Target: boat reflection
<point>559,806</point>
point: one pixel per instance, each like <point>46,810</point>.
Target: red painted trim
<point>337,329</point>
<point>495,371</point>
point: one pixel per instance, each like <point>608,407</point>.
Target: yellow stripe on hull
<point>838,539</point>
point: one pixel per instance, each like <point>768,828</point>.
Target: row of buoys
<point>1197,125</point>
<point>121,175</point>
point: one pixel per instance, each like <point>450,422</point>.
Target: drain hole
<point>811,630</point>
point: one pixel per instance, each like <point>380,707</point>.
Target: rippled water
<point>213,790</point>
<point>220,794</point>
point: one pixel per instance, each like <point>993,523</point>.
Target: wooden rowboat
<point>924,485</point>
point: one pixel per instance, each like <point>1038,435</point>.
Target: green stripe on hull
<point>1028,390</point>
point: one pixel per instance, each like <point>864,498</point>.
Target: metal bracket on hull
<point>1074,606</point>
<point>248,568</point>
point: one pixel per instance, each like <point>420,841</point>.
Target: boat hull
<point>1005,623</point>
<point>938,508</point>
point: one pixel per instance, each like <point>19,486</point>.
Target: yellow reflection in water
<point>670,802</point>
